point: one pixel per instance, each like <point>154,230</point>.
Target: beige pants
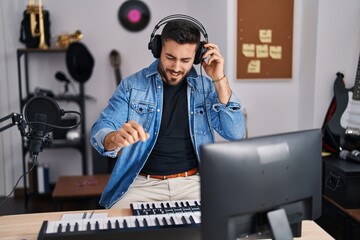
<point>146,189</point>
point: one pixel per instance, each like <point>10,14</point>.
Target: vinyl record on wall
<point>134,15</point>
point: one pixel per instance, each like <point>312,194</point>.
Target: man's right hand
<point>129,133</point>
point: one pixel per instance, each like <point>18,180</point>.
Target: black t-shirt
<point>173,151</point>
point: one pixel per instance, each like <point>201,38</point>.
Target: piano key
<point>125,223</point>
<point>172,220</point>
<point>50,227</point>
<point>88,226</point>
<point>157,222</point>
<point>191,219</point>
<point>186,217</point>
<point>76,227</point>
<point>67,229</point>
<point>144,221</point>
<point>117,224</point>
<point>177,219</point>
<point>134,206</point>
<point>168,204</point>
<point>157,205</point>
<point>59,228</point>
<point>137,224</point>
<point>197,218</point>
<point>151,220</point>
<point>131,221</point>
<point>164,221</point>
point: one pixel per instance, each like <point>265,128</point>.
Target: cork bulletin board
<point>264,39</point>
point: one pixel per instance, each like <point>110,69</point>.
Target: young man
<point>157,119</point>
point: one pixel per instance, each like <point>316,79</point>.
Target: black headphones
<point>155,44</point>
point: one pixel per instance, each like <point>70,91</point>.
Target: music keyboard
<point>165,207</point>
<point>148,226</point>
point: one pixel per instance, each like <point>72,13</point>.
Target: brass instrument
<point>42,44</point>
<point>64,40</point>
<point>32,9</point>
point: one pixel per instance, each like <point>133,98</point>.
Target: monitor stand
<point>279,225</point>
<point>273,224</point>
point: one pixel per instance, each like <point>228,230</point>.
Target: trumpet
<point>64,40</point>
<point>42,43</point>
<point>32,9</point>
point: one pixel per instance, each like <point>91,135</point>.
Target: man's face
<point>176,61</point>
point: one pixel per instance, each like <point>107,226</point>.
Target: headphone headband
<point>165,20</point>
<point>155,44</point>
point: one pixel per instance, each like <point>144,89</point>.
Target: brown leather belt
<point>163,177</point>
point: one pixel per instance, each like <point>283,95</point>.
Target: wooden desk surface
<point>353,213</point>
<point>80,186</point>
<point>27,226</point>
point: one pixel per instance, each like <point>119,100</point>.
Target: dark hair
<point>181,31</point>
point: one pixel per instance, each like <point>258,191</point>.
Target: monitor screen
<point>242,181</point>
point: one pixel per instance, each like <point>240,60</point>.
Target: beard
<point>167,75</point>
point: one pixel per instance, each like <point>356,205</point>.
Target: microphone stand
<point>17,119</point>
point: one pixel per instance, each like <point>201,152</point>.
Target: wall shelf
<point>25,95</point>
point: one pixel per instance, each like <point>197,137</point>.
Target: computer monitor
<point>242,181</point>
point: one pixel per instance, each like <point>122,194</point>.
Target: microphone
<point>42,114</point>
<point>37,137</point>
<point>61,77</point>
<point>38,110</point>
<point>344,154</point>
<point>354,155</point>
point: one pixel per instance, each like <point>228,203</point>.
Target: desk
<point>27,226</point>
<point>80,186</point>
<point>353,213</point>
<point>71,187</point>
<point>340,222</point>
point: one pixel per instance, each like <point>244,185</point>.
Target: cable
<point>35,160</point>
<point>59,127</point>
<point>203,86</point>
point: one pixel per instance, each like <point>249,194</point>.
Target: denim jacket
<point>140,97</point>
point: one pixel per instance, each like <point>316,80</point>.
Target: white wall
<point>326,40</point>
<point>272,105</point>
<point>10,156</point>
<point>338,48</point>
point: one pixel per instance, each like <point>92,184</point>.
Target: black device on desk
<point>244,180</point>
<point>342,181</point>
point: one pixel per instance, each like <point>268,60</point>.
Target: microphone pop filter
<point>42,106</point>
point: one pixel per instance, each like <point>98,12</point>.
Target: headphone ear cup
<point>199,53</point>
<point>155,46</point>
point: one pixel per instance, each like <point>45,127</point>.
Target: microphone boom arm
<point>17,119</point>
